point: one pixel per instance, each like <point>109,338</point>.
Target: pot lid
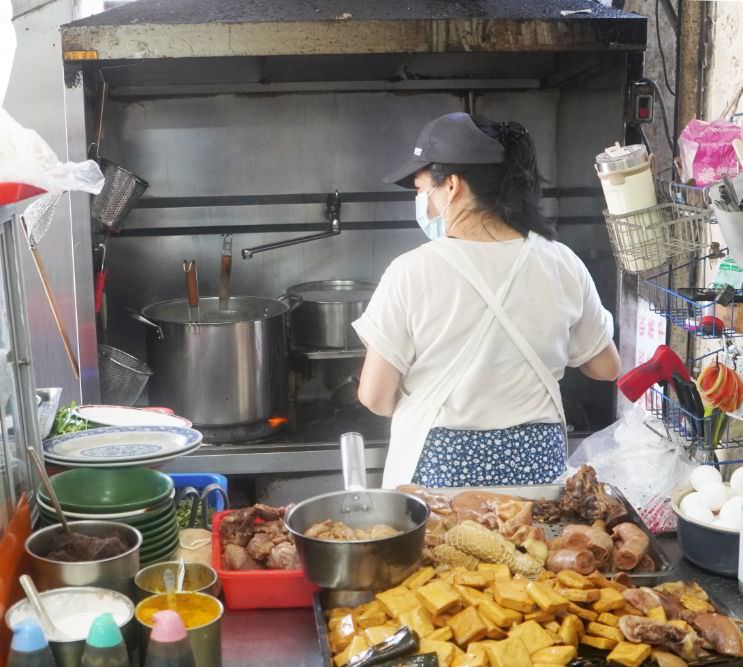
<point>240,309</point>
<point>334,291</point>
<point>618,158</point>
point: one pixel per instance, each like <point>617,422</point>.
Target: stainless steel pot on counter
<point>229,367</point>
<point>322,312</point>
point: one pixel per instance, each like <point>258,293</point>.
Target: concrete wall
<point>724,86</point>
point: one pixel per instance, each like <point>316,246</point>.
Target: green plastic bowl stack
<point>140,497</point>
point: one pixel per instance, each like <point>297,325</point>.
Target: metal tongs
<point>201,500</point>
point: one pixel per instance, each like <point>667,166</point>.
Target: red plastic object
<point>259,589</point>
<point>659,368</point>
<point>10,193</point>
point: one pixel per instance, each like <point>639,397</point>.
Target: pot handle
<point>353,461</point>
<point>292,300</point>
<point>141,318</point>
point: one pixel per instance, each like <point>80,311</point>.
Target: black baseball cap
<point>449,139</point>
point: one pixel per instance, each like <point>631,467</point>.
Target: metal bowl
<point>199,578</point>
<point>62,602</point>
<point>713,549</point>
<point>115,573</point>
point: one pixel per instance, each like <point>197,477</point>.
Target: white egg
<point>732,510</point>
<point>700,514</point>
<point>703,475</point>
<point>736,482</point>
<point>690,500</point>
<point>713,495</point>
<point>725,523</point>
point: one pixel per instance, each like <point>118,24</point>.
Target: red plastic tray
<point>10,193</point>
<point>259,589</point>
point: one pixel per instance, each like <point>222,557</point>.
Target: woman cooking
<point>468,336</point>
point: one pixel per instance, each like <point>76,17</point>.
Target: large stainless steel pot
<point>324,309</point>
<point>368,565</point>
<point>228,368</point>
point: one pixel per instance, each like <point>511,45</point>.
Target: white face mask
<point>433,228</point>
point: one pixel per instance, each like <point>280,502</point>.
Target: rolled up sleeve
<point>384,325</point>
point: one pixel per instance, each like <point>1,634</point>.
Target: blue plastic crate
<point>200,480</point>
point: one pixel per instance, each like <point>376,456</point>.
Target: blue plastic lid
<point>104,633</point>
<point>28,637</point>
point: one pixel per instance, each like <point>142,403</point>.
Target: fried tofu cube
<point>629,655</point>
<point>602,643</point>
<point>396,601</point>
<point>472,579</point>
<point>584,595</point>
<point>471,596</point>
<point>570,630</point>
<point>494,631</point>
<point>511,652</point>
<point>600,630</point>
<point>610,599</point>
<point>438,597</point>
<point>570,579</point>
<point>338,612</point>
<point>467,626</point>
<point>552,626</point>
<point>628,610</point>
<point>540,616</point>
<point>512,595</point>
<point>657,614</point>
<point>609,619</point>
<point>441,634</point>
<point>475,657</point>
<point>342,632</point>
<point>444,650</point>
<point>693,603</point>
<point>419,620</point>
<point>533,635</point>
<point>546,598</point>
<point>419,578</point>
<point>580,612</point>
<point>378,634</point>
<point>358,645</point>
<point>681,625</point>
<point>555,655</point>
<point>441,620</point>
<point>600,581</point>
<point>372,615</point>
<point>495,571</point>
<point>545,575</point>
<point>501,616</point>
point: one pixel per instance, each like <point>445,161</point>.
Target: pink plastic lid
<point>168,627</point>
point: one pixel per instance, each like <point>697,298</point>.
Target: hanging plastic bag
<point>630,456</point>
<point>7,45</point>
<point>707,152</point>
<point>26,158</point>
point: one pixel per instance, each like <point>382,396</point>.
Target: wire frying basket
<point>123,377</point>
<point>651,237</point>
<point>120,192</point>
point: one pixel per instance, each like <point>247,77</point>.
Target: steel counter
<point>279,638</point>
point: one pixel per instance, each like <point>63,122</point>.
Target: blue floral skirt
<point>526,454</point>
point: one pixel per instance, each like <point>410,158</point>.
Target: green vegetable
<point>183,513</point>
<point>67,422</point>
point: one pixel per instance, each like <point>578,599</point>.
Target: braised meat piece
<point>546,511</point>
<point>283,557</point>
<point>437,502</point>
<point>586,498</point>
<point>720,632</point>
<point>582,562</point>
<point>643,599</point>
<point>260,546</point>
<point>640,630</point>
<point>338,531</point>
<point>594,538</point>
<point>235,557</point>
<point>632,546</point>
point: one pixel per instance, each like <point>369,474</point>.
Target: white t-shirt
<point>423,311</point>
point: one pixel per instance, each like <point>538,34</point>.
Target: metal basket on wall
<point>652,237</point>
<point>120,192</point>
<point>123,376</point>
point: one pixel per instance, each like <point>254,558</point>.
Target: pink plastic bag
<point>707,152</point>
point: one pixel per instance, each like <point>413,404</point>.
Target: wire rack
<point>702,438</point>
<point>696,310</point>
<point>650,238</point>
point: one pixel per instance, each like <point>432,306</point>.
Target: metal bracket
<point>332,215</point>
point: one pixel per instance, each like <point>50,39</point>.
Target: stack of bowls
<point>140,497</point>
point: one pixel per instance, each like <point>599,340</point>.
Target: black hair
<point>512,189</point>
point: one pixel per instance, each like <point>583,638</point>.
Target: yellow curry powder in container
<point>200,613</point>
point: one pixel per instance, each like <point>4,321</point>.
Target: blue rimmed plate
<point>121,446</point>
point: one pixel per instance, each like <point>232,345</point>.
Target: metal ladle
<point>50,630</point>
<point>49,488</point>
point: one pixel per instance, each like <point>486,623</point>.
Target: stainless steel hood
<point>148,29</point>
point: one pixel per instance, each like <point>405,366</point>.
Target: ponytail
<point>510,190</point>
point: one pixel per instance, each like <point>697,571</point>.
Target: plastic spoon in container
<point>181,576</point>
<point>48,486</point>
<point>52,632</point>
